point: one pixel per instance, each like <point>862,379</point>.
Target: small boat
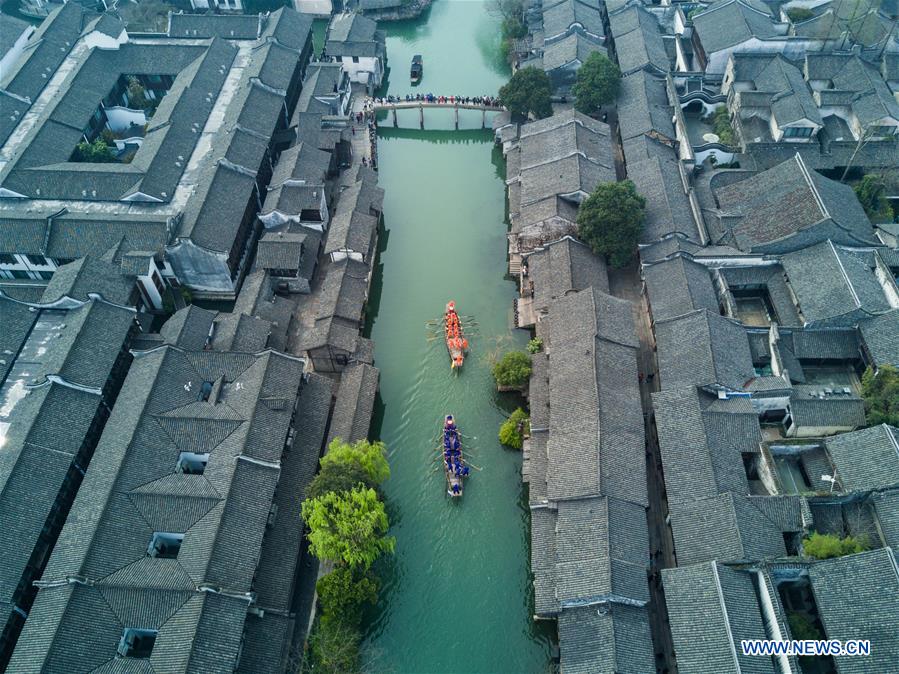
<point>453,461</point>
<point>417,69</point>
<point>456,343</point>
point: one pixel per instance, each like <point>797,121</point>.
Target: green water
<point>456,595</point>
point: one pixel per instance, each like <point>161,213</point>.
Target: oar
<point>473,466</point>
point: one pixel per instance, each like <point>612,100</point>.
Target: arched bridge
<point>444,103</point>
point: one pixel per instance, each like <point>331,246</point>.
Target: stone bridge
<point>455,106</point>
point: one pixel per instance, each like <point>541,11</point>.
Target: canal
<point>456,595</point>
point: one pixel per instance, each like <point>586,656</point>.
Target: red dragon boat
<point>456,343</point>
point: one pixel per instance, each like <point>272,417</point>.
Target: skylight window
<point>191,463</point>
<point>137,642</point>
<point>165,545</point>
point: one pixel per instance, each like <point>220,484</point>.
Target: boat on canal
<point>453,462</point>
<point>417,70</point>
<point>456,343</point>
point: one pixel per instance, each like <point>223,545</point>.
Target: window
<point>46,275</point>
<point>38,260</point>
<point>355,59</point>
<point>164,545</point>
<point>137,643</point>
<point>883,130</point>
<point>339,59</point>
<point>798,132</point>
<point>190,463</point>
<point>19,273</point>
<point>6,258</point>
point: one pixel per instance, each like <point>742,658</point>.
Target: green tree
<point>137,95</point>
<point>343,593</point>
<point>722,126</point>
<point>513,369</point>
<point>97,152</point>
<point>338,477</point>
<point>335,647</point>
<point>370,456</point>
<point>799,14</point>
<point>349,526</point>
<point>598,81</point>
<point>528,91</point>
<point>512,430</point>
<point>802,627</point>
<point>881,393</point>
<point>826,546</point>
<point>610,220</point>
<point>535,345</point>
<point>870,192</point>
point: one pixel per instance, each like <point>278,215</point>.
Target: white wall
<point>358,72</point>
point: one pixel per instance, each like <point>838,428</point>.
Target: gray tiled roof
<point>338,317</point>
<point>48,426</point>
<point>89,275</point>
<point>351,34</point>
<point>280,250</point>
<point>643,106</point>
<point>638,40</point>
<point>574,48</point>
<point>563,154</point>
<point>778,84</point>
<point>354,223</point>
<point>857,597</point>
<point>355,403</point>
<point>732,527</point>
<point>564,17</point>
<point>702,348</point>
<point>132,489</point>
<point>188,328</point>
<point>830,281</point>
<point>732,22</point>
<point>596,430</point>
<point>869,96</point>
<point>702,441</point>
<point>667,205</point>
<point>712,608</point>
<point>562,266</point>
<point>881,337</point>
<point>776,205</point>
<point>607,640</point>
<point>677,286</point>
<point>866,459</point>
<point>811,406</point>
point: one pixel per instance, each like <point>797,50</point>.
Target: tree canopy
<point>510,433</point>
<point>528,91</point>
<point>610,221</point>
<point>338,477</point>
<point>348,526</point>
<point>597,84</point>
<point>825,546</point>
<point>97,152</point>
<point>343,593</point>
<point>369,456</point>
<point>870,191</point>
<point>881,393</point>
<point>513,369</point>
